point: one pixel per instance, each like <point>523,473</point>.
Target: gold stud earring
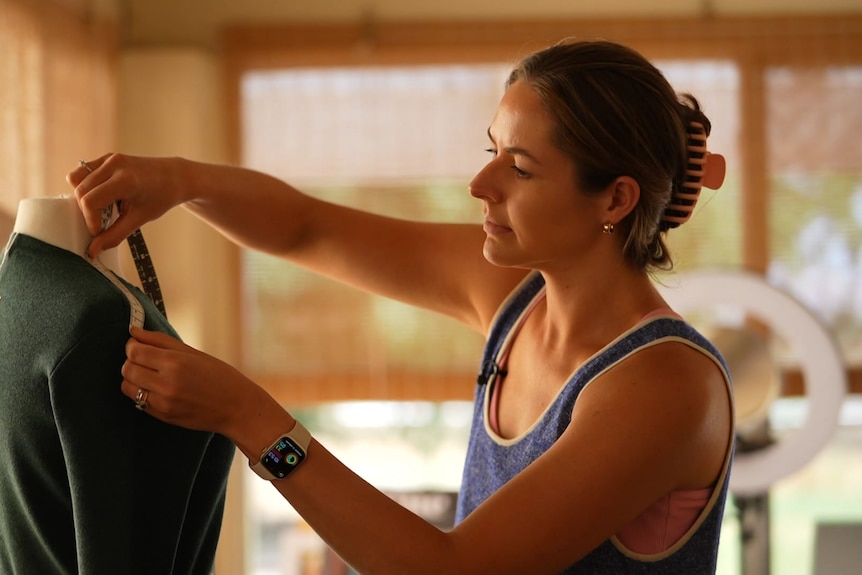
<point>608,228</point>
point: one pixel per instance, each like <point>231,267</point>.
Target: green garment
<point>90,485</point>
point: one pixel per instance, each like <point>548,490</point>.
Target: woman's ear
<point>624,195</point>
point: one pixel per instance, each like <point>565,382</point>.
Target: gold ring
<point>141,402</point>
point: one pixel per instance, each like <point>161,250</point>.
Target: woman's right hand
<point>143,188</point>
<point>192,389</point>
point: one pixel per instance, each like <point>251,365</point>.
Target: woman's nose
<point>482,185</point>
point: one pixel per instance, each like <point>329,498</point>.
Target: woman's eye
<point>519,172</point>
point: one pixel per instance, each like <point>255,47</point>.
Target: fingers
<point>110,238</point>
<point>81,171</point>
<point>151,361</point>
<point>131,389</point>
<point>99,184</point>
<point>141,377</point>
<point>143,188</point>
<point>85,178</point>
<point>158,354</point>
<point>174,379</point>
<point>156,339</point>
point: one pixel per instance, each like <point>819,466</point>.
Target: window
<point>57,97</point>
<point>815,202</point>
<point>398,141</point>
<point>713,236</point>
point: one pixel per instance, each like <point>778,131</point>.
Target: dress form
<point>58,221</point>
<point>88,483</point>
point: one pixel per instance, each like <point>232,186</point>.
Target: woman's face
<point>535,215</point>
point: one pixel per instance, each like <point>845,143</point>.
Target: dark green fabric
<point>89,485</point>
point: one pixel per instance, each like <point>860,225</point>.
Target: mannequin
<point>58,221</point>
<point>89,484</point>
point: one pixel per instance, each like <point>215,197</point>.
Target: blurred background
<point>384,104</point>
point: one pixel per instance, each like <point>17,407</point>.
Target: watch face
<point>283,458</point>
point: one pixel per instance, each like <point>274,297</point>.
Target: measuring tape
<point>143,265</point>
<point>136,308</point>
<point>146,270</point>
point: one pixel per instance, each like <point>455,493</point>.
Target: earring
<point>608,228</point>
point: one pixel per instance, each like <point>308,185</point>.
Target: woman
<point>603,430</point>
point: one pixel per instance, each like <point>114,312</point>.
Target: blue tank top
<point>490,464</point>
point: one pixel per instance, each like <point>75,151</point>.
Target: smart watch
<point>283,457</point>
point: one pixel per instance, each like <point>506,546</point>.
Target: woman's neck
<point>58,221</point>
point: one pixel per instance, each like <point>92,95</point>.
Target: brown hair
<point>616,115</point>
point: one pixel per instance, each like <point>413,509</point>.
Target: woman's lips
<point>491,227</point>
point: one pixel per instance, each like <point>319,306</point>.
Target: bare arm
<point>434,266</point>
<point>637,432</point>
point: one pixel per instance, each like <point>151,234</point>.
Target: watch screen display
<point>284,456</point>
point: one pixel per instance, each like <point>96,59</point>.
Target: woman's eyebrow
<point>515,151</point>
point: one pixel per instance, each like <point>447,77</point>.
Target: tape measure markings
<point>136,308</point>
<point>146,270</point>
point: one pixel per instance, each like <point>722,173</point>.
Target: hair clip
<point>704,169</point>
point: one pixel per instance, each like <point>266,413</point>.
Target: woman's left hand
<point>184,386</point>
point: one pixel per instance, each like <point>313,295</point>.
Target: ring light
<point>820,361</point>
